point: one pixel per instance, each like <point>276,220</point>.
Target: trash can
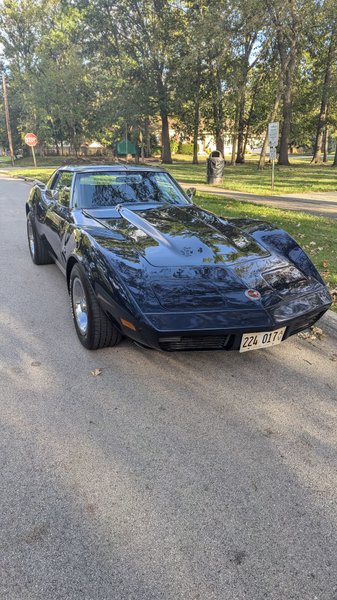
<point>215,167</point>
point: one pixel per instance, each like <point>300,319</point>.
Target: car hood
<point>186,258</point>
<point>181,235</point>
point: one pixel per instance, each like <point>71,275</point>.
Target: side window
<point>62,186</point>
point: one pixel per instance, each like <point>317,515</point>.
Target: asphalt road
<point>169,476</point>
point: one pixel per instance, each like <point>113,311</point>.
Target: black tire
<point>37,248</point>
<point>97,331</point>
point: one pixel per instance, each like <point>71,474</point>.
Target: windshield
<point>109,188</point>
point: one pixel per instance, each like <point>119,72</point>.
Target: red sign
<point>30,139</point>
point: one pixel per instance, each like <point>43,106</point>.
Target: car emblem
<point>187,251</point>
<point>253,294</point>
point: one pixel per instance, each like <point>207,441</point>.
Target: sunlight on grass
<point>299,177</point>
<point>40,174</point>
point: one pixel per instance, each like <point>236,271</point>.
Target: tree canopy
<point>87,69</point>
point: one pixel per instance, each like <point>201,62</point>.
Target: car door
<point>58,213</point>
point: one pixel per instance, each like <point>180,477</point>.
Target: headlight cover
<point>299,306</point>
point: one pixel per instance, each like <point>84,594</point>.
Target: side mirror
<point>50,194</point>
<point>191,192</point>
<point>39,184</point>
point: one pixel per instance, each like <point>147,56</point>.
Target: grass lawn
<point>299,177</point>
<point>45,161</point>
<point>5,160</point>
<point>42,174</point>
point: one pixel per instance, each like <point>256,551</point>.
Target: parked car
<point>142,260</point>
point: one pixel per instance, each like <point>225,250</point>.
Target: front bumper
<point>208,331</point>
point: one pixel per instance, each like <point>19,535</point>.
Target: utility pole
<point>8,123</point>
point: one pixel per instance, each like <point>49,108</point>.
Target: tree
<point>143,39</point>
<point>248,25</point>
<point>328,53</point>
<point>47,73</point>
<point>288,22</point>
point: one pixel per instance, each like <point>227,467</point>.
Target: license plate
<point>262,339</point>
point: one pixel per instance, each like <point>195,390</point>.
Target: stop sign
<point>30,139</point>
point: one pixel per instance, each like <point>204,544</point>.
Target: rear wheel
<point>93,327</point>
<point>37,248</point>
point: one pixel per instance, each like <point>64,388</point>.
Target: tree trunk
<point>262,159</point>
<point>326,144</point>
<point>196,133</point>
<point>246,66</point>
<point>219,141</point>
<point>272,117</point>
<point>249,120</point>
<point>288,59</point>
<point>142,154</point>
<point>317,154</point>
<point>147,138</point>
<point>166,157</point>
<point>335,160</point>
<point>235,135</point>
<point>196,119</point>
<point>287,110</point>
<point>240,157</point>
<point>217,112</point>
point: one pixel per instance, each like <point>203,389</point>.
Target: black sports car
<point>142,260</point>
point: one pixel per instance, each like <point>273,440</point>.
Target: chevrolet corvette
<point>142,260</point>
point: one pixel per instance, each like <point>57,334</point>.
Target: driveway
<point>206,476</point>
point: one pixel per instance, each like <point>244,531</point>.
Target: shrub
<point>186,148</point>
<point>174,145</point>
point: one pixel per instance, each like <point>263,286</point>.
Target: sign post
<point>8,122</point>
<point>272,157</point>
<point>273,135</point>
<point>31,140</point>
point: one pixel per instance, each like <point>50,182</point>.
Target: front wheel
<point>93,327</point>
<point>37,248</point>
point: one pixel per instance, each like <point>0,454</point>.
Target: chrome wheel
<point>80,306</point>
<point>31,240</point>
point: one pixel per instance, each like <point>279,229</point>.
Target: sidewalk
<point>320,204</point>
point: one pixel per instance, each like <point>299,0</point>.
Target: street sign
<point>273,134</point>
<point>272,153</point>
<point>30,139</point>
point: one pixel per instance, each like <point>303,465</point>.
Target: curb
<point>329,323</point>
<point>24,179</point>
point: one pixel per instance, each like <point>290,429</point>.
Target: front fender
<point>110,291</point>
<point>278,240</point>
